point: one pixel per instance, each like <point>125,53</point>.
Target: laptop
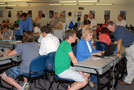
<point>108,51</point>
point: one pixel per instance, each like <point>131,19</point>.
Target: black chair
<point>57,79</point>
<point>37,70</point>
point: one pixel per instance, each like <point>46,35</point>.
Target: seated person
<point>104,37</point>
<point>86,50</point>
<point>64,57</point>
<point>37,31</point>
<point>49,42</point>
<point>16,31</point>
<point>6,34</point>
<point>28,51</point>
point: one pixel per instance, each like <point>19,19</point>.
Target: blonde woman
<point>58,32</point>
<point>86,50</point>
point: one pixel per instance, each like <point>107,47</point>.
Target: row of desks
<point>98,66</point>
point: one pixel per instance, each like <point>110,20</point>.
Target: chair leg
<point>51,85</point>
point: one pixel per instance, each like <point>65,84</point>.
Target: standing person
<point>93,24</point>
<point>28,51</point>
<point>63,58</point>
<point>121,21</point>
<point>54,20</point>
<point>68,20</point>
<point>25,24</point>
<point>49,42</point>
<point>123,36</point>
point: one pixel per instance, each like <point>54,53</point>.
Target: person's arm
<point>43,46</point>
<point>73,58</point>
<point>30,24</point>
<point>21,27</point>
<point>119,43</point>
<point>1,37</point>
<point>11,53</point>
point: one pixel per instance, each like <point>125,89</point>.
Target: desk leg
<point>98,80</point>
<point>110,78</point>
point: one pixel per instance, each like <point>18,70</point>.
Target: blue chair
<point>56,78</point>
<point>37,69</point>
<point>100,45</point>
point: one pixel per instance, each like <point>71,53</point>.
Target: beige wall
<point>99,11</point>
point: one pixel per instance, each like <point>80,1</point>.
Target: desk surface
<point>4,57</point>
<point>95,63</point>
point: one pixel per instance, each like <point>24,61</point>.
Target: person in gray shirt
<point>28,51</point>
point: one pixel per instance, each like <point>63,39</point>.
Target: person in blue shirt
<point>25,24</point>
<point>123,36</point>
<point>86,50</point>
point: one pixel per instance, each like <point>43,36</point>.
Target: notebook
<point>109,50</point>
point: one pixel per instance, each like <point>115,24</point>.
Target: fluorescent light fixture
<point>1,3</point>
<point>67,1</point>
<point>23,5</point>
<point>88,1</point>
<point>70,4</point>
<point>55,4</point>
<point>11,5</point>
<point>104,4</point>
<point>86,4</point>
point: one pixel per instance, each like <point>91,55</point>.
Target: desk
<point>9,43</point>
<point>98,66</point>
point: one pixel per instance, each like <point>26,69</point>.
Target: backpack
<point>71,25</point>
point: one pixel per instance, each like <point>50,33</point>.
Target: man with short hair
<point>64,57</point>
<point>25,24</point>
<point>123,36</point>
<point>49,42</point>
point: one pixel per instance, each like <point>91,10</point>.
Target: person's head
<point>43,15</point>
<point>70,35</point>
<point>56,15</point>
<point>87,22</point>
<point>62,19</point>
<point>5,28</point>
<point>91,15</point>
<point>111,26</point>
<point>87,34</point>
<point>104,30</point>
<point>85,17</point>
<point>120,17</point>
<point>70,14</point>
<point>46,30</point>
<point>59,26</point>
<point>24,16</point>
<point>28,36</point>
<point>16,25</point>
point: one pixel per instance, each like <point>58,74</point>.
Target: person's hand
<point>118,55</point>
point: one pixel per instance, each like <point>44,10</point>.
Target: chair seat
<point>64,79</point>
<point>34,74</point>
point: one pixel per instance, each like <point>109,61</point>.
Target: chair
<point>56,78</point>
<point>37,69</point>
<point>100,45</point>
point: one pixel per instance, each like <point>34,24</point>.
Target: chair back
<point>101,45</point>
<point>51,57</point>
<point>39,64</point>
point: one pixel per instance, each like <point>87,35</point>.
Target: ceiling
<point>47,2</point>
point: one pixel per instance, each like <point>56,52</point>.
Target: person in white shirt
<point>121,21</point>
<point>68,20</point>
<point>49,43</point>
<point>37,31</point>
<point>93,24</point>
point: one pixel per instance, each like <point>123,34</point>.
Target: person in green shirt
<point>64,57</point>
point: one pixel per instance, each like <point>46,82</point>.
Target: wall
<point>99,11</point>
